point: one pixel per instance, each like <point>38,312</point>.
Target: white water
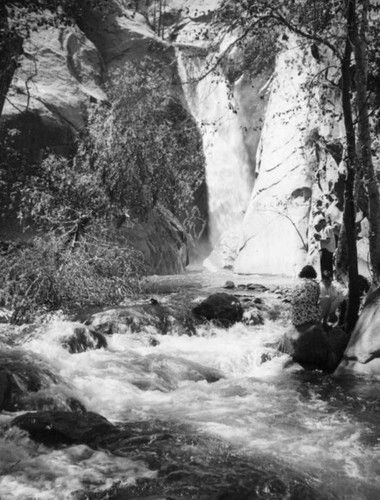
<point>229,173</point>
<point>259,407</point>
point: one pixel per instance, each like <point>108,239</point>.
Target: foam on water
<point>258,405</point>
<point>35,471</point>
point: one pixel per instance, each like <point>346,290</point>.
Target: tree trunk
<point>349,211</point>
<point>364,135</point>
<point>10,50</point>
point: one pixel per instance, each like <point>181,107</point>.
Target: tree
<point>139,150</point>
<point>341,26</point>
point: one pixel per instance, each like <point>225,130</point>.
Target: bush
<point>48,274</point>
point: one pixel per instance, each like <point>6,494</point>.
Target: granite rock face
<point>362,355</point>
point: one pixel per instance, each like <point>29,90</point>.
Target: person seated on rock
<point>332,296</point>
<point>306,329</point>
<point>305,298</point>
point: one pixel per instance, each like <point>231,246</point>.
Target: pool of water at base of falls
<point>265,429</point>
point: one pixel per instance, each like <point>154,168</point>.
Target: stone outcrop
<point>362,355</point>
<point>277,228</point>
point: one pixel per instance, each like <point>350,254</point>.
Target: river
<point>266,429</point>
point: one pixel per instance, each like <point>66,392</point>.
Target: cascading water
<point>244,408</point>
<point>229,169</point>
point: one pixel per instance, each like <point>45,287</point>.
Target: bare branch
<point>222,56</point>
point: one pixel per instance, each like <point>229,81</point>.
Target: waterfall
<point>229,174</point>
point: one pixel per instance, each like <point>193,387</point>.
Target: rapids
<point>260,431</point>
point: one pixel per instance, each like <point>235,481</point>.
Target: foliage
<point>348,30</point>
<point>141,149</point>
<point>146,147</point>
<point>47,274</point>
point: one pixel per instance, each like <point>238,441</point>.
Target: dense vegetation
<point>139,150</point>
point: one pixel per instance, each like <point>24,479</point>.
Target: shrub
<point>48,274</point>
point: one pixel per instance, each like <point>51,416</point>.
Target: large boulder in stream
<point>28,383</point>
<point>363,350</point>
<point>314,348</point>
<point>223,308</point>
<point>55,427</point>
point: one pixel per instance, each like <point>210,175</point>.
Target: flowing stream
<point>266,429</point>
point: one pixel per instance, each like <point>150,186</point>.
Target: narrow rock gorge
<point>272,133</point>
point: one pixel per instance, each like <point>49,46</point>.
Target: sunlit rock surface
<point>275,229</point>
<point>363,351</point>
<point>59,72</point>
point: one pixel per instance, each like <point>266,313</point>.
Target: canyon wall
<point>272,138</point>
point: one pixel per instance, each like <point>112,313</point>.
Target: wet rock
<point>164,373</point>
<point>363,350</point>
<point>257,287</point>
<point>55,427</point>
<point>26,381</point>
<point>83,339</point>
<point>150,317</point>
<point>223,308</point>
<point>253,316</point>
<point>337,340</point>
<point>230,285</point>
<point>313,348</point>
<point>168,370</point>
<point>307,346</point>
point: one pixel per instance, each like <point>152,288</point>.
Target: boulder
<point>55,427</point>
<point>83,339</point>
<point>26,381</point>
<point>313,348</point>
<point>363,350</point>
<point>223,308</point>
<point>229,285</point>
<point>337,340</point>
<point>253,316</point>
